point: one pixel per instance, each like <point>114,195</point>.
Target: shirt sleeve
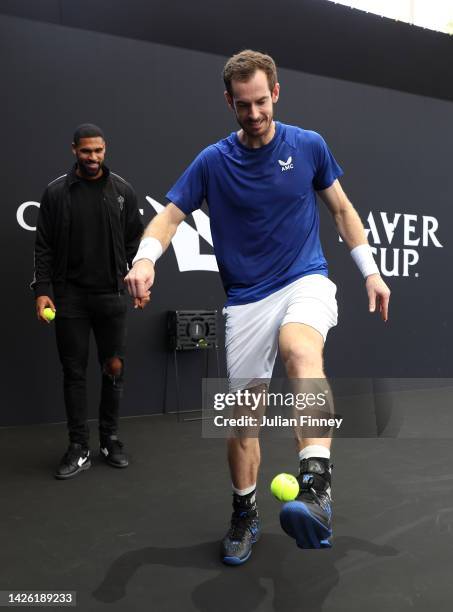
<point>43,254</point>
<point>327,169</point>
<point>189,191</point>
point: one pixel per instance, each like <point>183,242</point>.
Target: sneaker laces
<point>240,522</point>
<point>307,489</point>
<point>314,495</point>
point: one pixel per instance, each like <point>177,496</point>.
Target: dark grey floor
<point>146,538</point>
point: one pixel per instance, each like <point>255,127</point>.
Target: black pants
<point>77,314</point>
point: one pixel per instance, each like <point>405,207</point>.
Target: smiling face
<point>90,153</point>
<point>252,101</point>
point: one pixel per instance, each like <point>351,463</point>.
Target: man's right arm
<point>43,259</point>
<point>161,229</point>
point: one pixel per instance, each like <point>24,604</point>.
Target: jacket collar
<point>73,178</point>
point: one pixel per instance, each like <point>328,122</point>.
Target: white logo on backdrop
<point>186,242</point>
<point>20,215</point>
<point>418,232</point>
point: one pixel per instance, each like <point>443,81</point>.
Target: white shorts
<point>252,330</point>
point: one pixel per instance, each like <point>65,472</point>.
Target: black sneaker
<point>308,519</point>
<point>236,546</point>
<point>75,460</point>
<point>112,450</point>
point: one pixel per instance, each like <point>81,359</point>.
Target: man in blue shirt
<point>260,184</point>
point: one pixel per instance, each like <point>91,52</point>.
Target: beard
<point>88,170</point>
<point>256,128</point>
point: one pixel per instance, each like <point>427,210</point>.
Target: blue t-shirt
<point>262,208</point>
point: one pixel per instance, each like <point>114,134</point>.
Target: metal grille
<point>192,329</point>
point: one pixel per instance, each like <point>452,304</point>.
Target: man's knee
<point>113,367</point>
<point>300,357</point>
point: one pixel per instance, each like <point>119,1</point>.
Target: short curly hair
<point>242,66</point>
<point>87,130</point>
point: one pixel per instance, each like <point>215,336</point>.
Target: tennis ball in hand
<point>285,487</point>
<point>48,314</point>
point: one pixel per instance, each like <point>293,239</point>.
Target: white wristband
<point>364,260</point>
<point>150,248</point>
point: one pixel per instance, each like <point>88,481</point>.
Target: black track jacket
<point>52,232</point>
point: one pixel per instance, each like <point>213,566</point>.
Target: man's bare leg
<point>243,446</point>
<point>244,460</point>
<point>301,349</point>
<point>308,520</point>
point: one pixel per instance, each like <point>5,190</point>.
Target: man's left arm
<point>351,229</point>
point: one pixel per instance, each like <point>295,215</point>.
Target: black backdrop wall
<point>313,36</point>
<point>159,105</point>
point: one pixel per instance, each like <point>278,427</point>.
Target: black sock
<point>246,502</point>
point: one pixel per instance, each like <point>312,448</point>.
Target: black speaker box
<point>192,329</point>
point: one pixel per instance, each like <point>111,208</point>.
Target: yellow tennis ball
<point>285,487</point>
<point>48,314</point>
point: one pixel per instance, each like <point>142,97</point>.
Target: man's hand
<point>142,302</point>
<point>378,294</point>
<point>43,301</point>
<point>139,281</point>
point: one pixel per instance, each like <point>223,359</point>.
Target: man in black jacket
<point>88,232</point>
